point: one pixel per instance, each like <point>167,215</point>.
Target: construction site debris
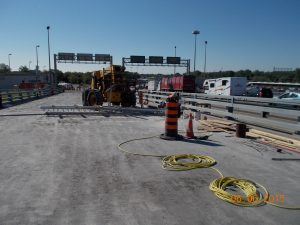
<point>276,141</point>
<point>214,125</point>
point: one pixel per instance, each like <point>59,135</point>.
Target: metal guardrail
<point>271,113</point>
<point>17,95</point>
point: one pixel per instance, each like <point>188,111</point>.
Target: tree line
<point>282,76</point>
<point>84,78</point>
<point>275,76</point>
<point>74,77</point>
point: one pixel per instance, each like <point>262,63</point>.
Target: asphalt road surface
<point>69,171</point>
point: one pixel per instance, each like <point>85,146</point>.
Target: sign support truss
<point>81,58</point>
<point>157,61</point>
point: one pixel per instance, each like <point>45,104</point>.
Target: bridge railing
<point>271,113</point>
<point>17,95</point>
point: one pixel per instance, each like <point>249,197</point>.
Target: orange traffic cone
<point>189,130</point>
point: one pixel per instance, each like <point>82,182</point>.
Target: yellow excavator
<point>112,84</point>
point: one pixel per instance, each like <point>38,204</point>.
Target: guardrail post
<point>229,109</point>
<point>37,94</point>
<point>298,131</point>
<point>241,130</point>
<point>21,95</point>
<point>1,106</point>
<point>10,98</point>
<point>265,114</point>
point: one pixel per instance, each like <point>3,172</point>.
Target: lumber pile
<point>276,141</point>
<point>214,125</point>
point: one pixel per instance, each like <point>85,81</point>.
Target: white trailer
<point>153,85</point>
<point>234,86</point>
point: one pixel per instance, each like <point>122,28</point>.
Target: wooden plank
<point>276,137</point>
<point>274,142</point>
<point>277,146</point>
<point>222,122</point>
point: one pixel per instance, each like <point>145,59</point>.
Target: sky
<point>240,34</point>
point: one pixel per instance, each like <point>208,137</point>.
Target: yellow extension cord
<point>252,197</point>
<point>172,162</point>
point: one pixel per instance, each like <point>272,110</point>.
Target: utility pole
<point>205,58</point>
<point>37,62</point>
<point>9,61</point>
<point>175,65</point>
<point>50,77</point>
<point>195,32</point>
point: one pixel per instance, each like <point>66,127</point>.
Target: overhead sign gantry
<point>85,58</point>
<point>136,60</point>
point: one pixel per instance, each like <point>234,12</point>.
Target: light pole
<point>50,78</point>
<point>205,57</point>
<point>195,32</point>
<point>29,64</point>
<point>175,65</point>
<point>37,62</point>
<point>9,61</point>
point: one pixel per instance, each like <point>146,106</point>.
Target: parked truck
<point>234,86</point>
<point>177,82</point>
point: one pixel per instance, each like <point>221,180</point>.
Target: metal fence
<point>18,95</point>
<point>271,113</point>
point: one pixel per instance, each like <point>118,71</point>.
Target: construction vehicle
<point>111,84</point>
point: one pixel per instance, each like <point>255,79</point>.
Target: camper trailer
<point>153,85</point>
<point>234,86</point>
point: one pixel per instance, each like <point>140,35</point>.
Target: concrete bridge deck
<point>69,171</point>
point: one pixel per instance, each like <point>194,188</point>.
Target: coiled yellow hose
<point>173,162</point>
<point>252,196</point>
<point>220,186</point>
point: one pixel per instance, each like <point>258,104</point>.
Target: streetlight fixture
<point>50,79</point>
<point>9,60</point>
<point>205,57</point>
<point>175,65</point>
<point>195,32</point>
<point>37,62</point>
